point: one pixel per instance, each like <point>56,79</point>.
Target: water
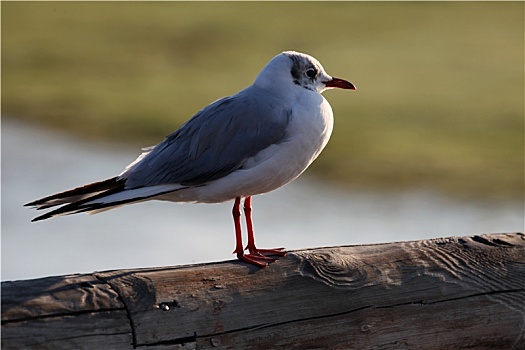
<point>307,213</point>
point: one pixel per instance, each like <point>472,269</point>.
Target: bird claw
<point>258,257</point>
<point>265,252</point>
<point>259,261</point>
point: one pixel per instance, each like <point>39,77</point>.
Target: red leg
<point>249,224</point>
<point>255,260</point>
<point>236,212</point>
<point>254,251</point>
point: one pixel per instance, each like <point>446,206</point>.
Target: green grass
<point>440,99</point>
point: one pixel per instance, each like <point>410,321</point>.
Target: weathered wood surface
<point>450,293</point>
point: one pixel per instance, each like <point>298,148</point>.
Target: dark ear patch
<point>296,71</point>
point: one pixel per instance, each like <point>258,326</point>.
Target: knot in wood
<point>215,341</point>
<point>365,328</point>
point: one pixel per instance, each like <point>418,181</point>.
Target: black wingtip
<point>41,217</point>
<point>83,192</point>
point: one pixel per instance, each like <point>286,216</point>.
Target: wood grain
<point>457,292</point>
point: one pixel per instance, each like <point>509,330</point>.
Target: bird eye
<point>311,73</point>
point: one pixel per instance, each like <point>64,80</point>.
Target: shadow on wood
<point>458,293</point>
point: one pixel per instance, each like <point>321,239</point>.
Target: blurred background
<point>430,145</point>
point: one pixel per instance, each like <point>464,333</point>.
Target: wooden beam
<point>448,293</point>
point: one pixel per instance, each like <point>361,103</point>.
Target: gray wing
<point>214,142</point>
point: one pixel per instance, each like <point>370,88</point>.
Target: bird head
<point>291,69</point>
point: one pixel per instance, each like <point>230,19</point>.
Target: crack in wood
<point>58,315</point>
<point>423,302</point>
<point>278,324</point>
<point>126,308</point>
<point>177,341</point>
<point>306,319</point>
<point>215,338</point>
<point>94,335</point>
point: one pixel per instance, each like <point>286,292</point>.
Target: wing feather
<point>214,142</point>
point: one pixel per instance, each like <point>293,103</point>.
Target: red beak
<point>339,83</point>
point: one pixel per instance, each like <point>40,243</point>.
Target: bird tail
<point>97,197</point>
<point>76,194</point>
<point>75,198</point>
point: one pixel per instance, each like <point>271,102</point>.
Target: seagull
<point>250,143</point>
